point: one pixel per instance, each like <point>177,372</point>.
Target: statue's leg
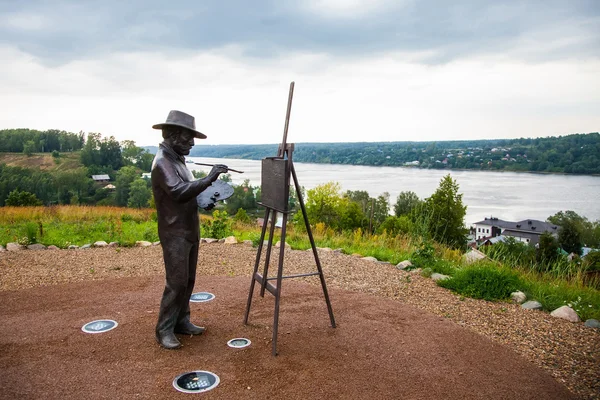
<point>184,314</point>
<point>176,252</point>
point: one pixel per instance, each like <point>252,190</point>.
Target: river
<point>511,196</point>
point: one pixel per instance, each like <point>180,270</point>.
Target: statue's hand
<point>217,170</point>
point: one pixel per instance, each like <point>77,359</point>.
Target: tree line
<point>33,141</point>
<point>571,154</point>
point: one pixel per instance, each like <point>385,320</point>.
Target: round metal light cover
<point>201,297</point>
<point>196,382</point>
<point>239,343</point>
<point>99,326</point>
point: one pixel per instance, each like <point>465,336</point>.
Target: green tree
<point>405,203</point>
<point>139,194</point>
<point>323,204</point>
<point>548,250</point>
<point>446,213</point>
<point>569,237</point>
<point>29,148</point>
<point>17,198</point>
<point>125,178</point>
<point>243,198</point>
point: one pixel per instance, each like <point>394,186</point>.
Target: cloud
<point>61,31</point>
<point>378,99</point>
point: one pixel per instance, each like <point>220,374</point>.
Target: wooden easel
<point>275,198</point>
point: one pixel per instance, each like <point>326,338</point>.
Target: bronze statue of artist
<point>175,192</point>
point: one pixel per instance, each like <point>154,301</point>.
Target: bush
<point>17,198</point>
<point>483,281</point>
<point>219,227</point>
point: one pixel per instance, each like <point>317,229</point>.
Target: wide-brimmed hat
<point>183,120</point>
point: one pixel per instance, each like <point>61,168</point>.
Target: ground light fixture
<point>201,297</point>
<point>239,343</point>
<point>99,326</point>
<point>196,382</point>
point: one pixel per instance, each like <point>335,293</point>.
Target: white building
<point>526,231</point>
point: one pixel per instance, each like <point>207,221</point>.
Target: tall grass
<point>65,225</point>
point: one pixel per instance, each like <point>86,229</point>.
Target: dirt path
<point>383,347</point>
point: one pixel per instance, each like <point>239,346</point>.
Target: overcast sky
<point>376,70</point>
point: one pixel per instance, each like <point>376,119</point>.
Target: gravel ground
<point>568,351</point>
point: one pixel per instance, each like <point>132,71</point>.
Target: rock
<point>404,264</point>
<point>592,323</point>
<point>36,246</point>
<point>222,240</point>
<point>86,246</point>
<point>210,240</point>
<point>438,277</point>
<point>230,240</point>
<point>565,312</point>
<point>415,271</point>
<point>73,246</point>
<point>2,248</point>
<point>248,242</point>
<point>518,297</point>
<point>287,246</point>
<point>53,247</point>
<point>472,256</point>
<point>156,243</point>
<point>14,247</point>
<point>113,244</point>
<point>369,259</point>
<point>532,305</point>
<point>100,243</point>
<point>142,243</point>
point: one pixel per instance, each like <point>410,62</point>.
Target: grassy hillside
<point>42,161</point>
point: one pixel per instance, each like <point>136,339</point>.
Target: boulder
<point>210,240</point>
<point>222,240</point>
<point>36,246</point>
<point>73,246</point>
<point>157,243</point>
<point>438,277</point>
<point>113,244</point>
<point>370,259</point>
<point>142,243</point>
<point>287,246</point>
<point>53,247</point>
<point>532,305</point>
<point>518,297</point>
<point>565,312</point>
<point>14,247</point>
<point>100,243</point>
<point>592,323</point>
<point>472,256</point>
<point>86,246</point>
<point>230,240</point>
<point>404,264</point>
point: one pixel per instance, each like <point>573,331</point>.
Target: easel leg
<point>279,281</point>
<point>258,253</point>
<point>268,255</point>
<point>314,247</point>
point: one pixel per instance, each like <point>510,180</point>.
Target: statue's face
<point>181,141</point>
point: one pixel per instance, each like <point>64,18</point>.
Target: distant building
<point>101,178</point>
<point>526,231</point>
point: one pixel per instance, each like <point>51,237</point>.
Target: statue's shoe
<point>168,341</point>
<point>187,328</point>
